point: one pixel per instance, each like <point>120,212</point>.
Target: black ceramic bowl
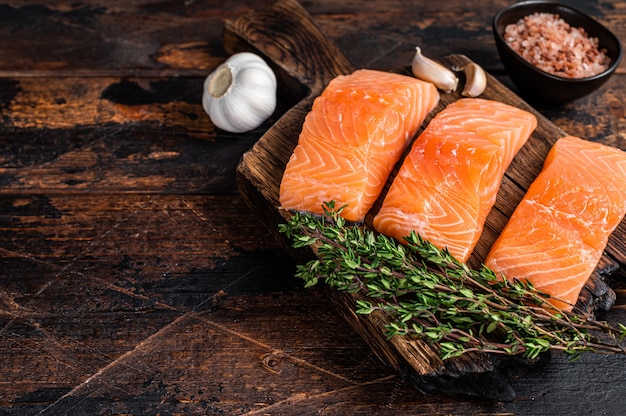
<point>542,87</point>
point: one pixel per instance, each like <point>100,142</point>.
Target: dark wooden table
<point>134,280</point>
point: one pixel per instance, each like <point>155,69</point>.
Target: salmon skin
<point>355,133</point>
<point>448,182</point>
<point>558,232</point>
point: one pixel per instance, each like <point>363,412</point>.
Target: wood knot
<point>270,362</point>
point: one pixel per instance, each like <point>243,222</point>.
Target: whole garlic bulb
<point>240,94</point>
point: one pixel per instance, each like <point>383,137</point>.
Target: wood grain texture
<point>134,279</point>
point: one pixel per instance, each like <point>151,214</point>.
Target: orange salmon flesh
<point>449,181</point>
<point>356,132</point>
<point>558,232</point>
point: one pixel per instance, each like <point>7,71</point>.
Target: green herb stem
<point>429,295</point>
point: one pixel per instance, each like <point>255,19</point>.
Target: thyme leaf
<point>429,295</point>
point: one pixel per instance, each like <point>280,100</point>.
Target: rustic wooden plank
<point>108,38</point>
<point>50,355</point>
<point>137,157</point>
<point>137,134</point>
<point>113,272</point>
<point>172,103</point>
<point>137,42</point>
<point>113,37</point>
<point>193,373</point>
<point>167,251</point>
<point>216,226</point>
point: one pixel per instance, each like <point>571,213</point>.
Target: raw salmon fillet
<point>448,182</point>
<point>355,133</point>
<point>558,232</point>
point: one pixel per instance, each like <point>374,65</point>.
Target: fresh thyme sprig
<point>430,295</point>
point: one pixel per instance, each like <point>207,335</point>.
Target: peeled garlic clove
<point>475,80</point>
<point>428,70</point>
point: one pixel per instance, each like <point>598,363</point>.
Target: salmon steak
<point>449,181</point>
<point>558,233</point>
<point>355,133</point>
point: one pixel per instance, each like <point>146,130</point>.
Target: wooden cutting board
<point>305,61</point>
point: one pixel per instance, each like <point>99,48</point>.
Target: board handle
<point>286,34</point>
<point>305,61</point>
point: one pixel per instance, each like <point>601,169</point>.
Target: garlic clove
<point>431,71</point>
<point>475,80</point>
